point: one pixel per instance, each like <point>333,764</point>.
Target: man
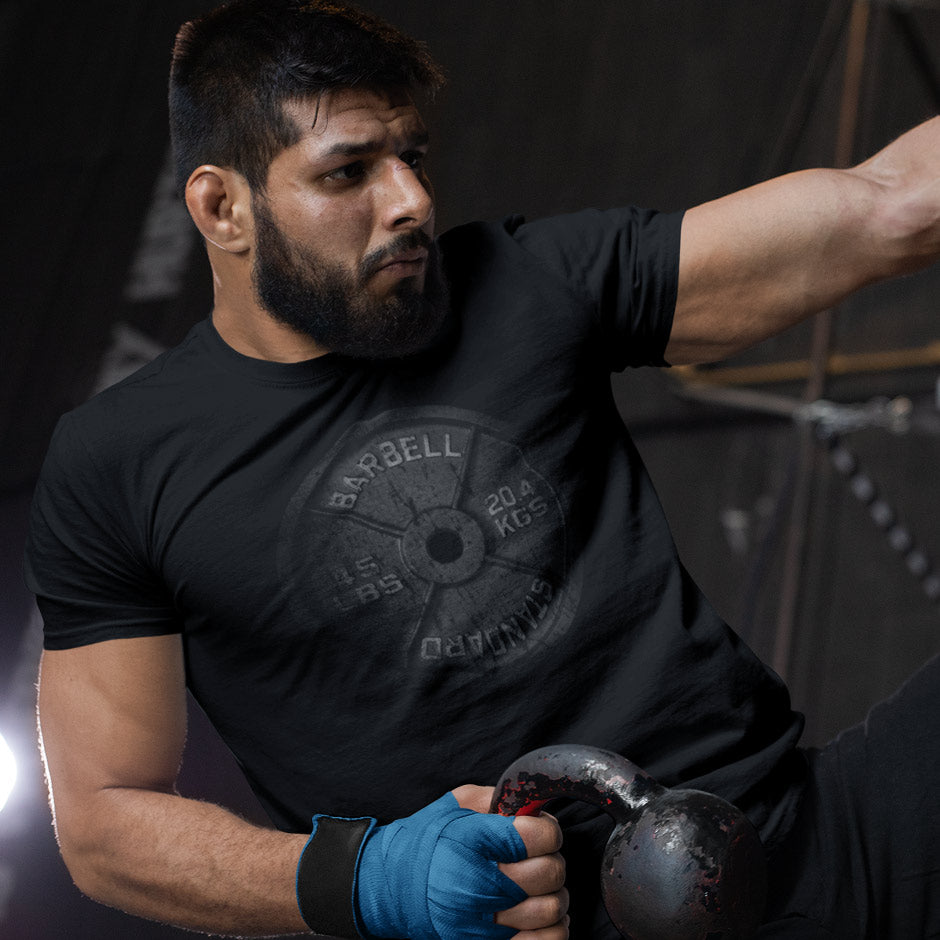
<point>380,516</point>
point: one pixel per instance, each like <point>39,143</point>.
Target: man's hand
<point>543,914</point>
<point>452,869</point>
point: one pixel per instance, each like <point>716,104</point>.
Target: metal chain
<point>882,513</point>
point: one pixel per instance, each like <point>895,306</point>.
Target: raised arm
<point>113,725</point>
<point>762,259</point>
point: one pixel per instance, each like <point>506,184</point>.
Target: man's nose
<point>409,203</point>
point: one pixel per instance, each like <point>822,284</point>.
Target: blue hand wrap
<point>434,875</point>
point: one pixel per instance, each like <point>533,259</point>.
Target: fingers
<point>555,932</point>
<point>473,797</point>
<point>543,914</point>
<point>542,875</point>
<point>541,834</point>
<point>537,914</point>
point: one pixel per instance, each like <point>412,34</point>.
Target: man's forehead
<point>341,112</point>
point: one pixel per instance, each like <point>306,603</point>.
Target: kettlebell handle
<point>573,771</point>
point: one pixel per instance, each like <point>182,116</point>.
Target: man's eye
<point>348,172</point>
<point>414,158</point>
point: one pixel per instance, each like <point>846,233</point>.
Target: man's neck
<point>258,335</point>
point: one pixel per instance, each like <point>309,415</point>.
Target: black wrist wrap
<point>326,873</point>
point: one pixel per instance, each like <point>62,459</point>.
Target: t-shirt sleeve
<point>626,262</point>
<point>84,560</point>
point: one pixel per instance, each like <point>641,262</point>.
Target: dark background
<point>551,106</point>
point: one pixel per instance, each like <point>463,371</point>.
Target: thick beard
<point>321,300</point>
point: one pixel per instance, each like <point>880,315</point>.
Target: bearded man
<point>379,514</point>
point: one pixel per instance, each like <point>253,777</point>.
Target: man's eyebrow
<point>361,148</point>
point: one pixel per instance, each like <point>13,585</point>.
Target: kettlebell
<point>679,864</point>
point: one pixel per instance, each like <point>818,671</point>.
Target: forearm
<point>907,173</point>
<point>185,862</point>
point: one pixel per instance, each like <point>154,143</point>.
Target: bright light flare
<point>7,772</point>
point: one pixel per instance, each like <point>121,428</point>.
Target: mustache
<point>407,241</point>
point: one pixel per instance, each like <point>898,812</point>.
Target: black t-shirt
<point>393,578</point>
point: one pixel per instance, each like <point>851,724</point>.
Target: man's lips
<point>406,261</point>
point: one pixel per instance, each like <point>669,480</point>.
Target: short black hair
<point>235,68</point>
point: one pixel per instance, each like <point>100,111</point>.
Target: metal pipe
<point>821,346</point>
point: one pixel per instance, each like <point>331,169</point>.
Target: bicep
<point>112,714</point>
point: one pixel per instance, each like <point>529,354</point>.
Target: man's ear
<point>219,201</point>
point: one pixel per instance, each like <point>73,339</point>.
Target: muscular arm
<point>760,260</point>
<point>113,725</point>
